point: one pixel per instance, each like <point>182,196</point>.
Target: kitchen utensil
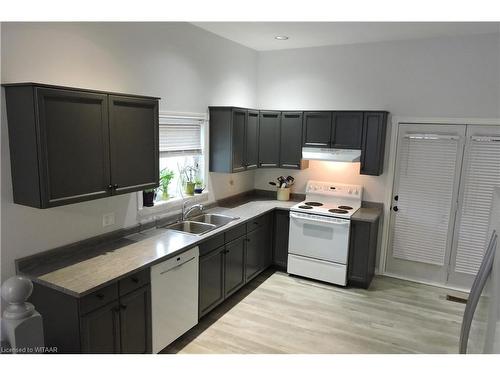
<point>272,183</point>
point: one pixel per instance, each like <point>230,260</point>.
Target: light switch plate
<point>108,219</point>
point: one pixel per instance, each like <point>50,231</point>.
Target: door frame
<point>390,161</point>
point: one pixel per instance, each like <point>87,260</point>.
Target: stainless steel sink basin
<point>216,219</point>
<point>193,227</point>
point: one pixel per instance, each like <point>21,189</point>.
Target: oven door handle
<point>317,219</point>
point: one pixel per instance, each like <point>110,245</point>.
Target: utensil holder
<point>283,194</point>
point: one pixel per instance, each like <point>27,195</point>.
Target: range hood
<point>331,154</point>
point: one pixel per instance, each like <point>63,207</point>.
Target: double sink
<point>201,224</point>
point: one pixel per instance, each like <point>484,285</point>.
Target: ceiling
<point>260,35</point>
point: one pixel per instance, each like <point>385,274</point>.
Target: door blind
<point>482,174</point>
<point>425,197</point>
<point>180,136</point>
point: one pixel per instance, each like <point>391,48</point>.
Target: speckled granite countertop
<point>142,251</point>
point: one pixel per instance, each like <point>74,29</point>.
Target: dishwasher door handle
<point>176,266</point>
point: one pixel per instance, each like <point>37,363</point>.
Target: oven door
<point>319,237</point>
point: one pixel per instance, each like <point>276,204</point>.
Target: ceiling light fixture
<point>281,37</point>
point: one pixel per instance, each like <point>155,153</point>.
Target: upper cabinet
<point>243,139</point>
<point>233,139</point>
<point>133,142</point>
<point>347,130</point>
<point>252,140</point>
<point>373,143</point>
<point>269,139</point>
<point>317,129</point>
<point>291,141</point>
<point>72,145</point>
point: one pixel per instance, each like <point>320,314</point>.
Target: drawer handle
<point>247,239</point>
<point>135,279</point>
<point>100,295</point>
<point>123,307</point>
<point>290,165</point>
<point>255,223</point>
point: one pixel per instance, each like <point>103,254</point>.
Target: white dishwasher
<point>174,298</point>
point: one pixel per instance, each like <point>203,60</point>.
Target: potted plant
<point>166,175</point>
<point>189,173</point>
<point>148,197</point>
<point>198,186</point>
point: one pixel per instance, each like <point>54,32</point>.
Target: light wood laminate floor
<point>277,313</point>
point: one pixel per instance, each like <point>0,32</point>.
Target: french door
<point>442,195</point>
<point>428,166</point>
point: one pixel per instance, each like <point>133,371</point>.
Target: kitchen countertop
<point>146,249</point>
<point>141,250</point>
<point>368,214</point>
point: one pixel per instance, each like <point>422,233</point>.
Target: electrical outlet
<point>108,219</point>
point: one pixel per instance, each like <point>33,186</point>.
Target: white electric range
<point>318,245</point>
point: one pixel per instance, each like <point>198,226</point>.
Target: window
<point>182,159</point>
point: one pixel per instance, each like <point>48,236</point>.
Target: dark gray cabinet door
<point>269,138</point>
<point>281,230</point>
<point>234,275</point>
<point>362,253</point>
<point>372,154</point>
<point>317,129</point>
<point>291,140</point>
<point>347,130</point>
<point>258,254</point>
<point>252,140</point>
<point>252,258</point>
<point>134,149</point>
<point>211,280</point>
<point>135,321</point>
<point>238,144</point>
<point>100,330</point>
<point>74,146</point>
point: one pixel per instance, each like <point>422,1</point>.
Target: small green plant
<point>198,182</point>
<point>166,175</point>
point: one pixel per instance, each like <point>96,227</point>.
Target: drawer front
<point>99,298</point>
<point>211,244</point>
<point>258,222</point>
<point>132,282</point>
<point>235,232</point>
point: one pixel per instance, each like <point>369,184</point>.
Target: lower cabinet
<point>258,253</point>
<point>234,266</point>
<point>362,253</point>
<point>101,330</point>
<point>225,269</point>
<point>113,319</point>
<point>211,280</point>
<point>280,243</point>
<point>135,322</point>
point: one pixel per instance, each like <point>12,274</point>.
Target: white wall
<point>439,77</point>
<point>187,67</point>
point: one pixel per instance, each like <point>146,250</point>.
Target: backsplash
<point>325,171</point>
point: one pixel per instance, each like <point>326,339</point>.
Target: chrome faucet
<point>185,212</point>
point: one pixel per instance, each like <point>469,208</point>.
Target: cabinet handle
<point>247,239</point>
<point>123,307</point>
<point>395,208</point>
<point>316,144</point>
<point>135,279</point>
<point>290,165</point>
<point>110,187</point>
<point>268,164</point>
<point>115,186</point>
<point>100,295</point>
<point>251,165</point>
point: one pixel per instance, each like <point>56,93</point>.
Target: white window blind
<point>482,173</point>
<point>425,197</point>
<point>180,135</point>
